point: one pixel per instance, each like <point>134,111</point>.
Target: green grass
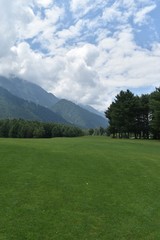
<point>88,188</point>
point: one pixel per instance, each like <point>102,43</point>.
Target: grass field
<point>88,188</point>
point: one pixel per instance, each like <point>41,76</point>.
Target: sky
<point>83,50</point>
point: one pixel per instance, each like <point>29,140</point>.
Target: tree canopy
<point>19,128</point>
<point>137,116</point>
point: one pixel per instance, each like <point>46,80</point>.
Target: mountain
<point>92,110</point>
<point>28,91</point>
<point>86,116</point>
<point>77,115</point>
<point>15,107</point>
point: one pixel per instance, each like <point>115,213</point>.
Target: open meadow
<point>86,188</point>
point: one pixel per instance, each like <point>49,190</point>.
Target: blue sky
<point>85,51</point>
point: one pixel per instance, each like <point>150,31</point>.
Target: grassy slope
<point>83,188</point>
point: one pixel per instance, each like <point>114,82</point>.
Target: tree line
<point>19,128</point>
<point>97,131</point>
<point>135,116</point>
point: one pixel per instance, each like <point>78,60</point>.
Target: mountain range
<point>15,107</point>
<point>22,99</point>
<point>77,115</point>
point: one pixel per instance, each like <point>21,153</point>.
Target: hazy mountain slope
<point>91,109</point>
<point>14,107</point>
<point>85,116</point>
<point>77,115</point>
<point>28,91</point>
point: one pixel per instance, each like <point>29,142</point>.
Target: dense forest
<point>135,116</point>
<point>19,128</point>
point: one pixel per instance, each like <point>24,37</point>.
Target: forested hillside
<point>70,112</point>
<point>14,107</point>
<point>77,115</point>
<point>28,91</point>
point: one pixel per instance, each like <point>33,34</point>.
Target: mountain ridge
<point>12,106</point>
<point>28,91</point>
<point>35,94</point>
<point>76,115</point>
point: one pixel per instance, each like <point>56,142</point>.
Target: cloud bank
<point>83,51</point>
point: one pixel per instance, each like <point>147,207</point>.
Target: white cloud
<point>83,7</point>
<point>88,53</point>
<point>86,60</point>
<point>13,18</point>
<point>54,14</point>
<point>141,15</point>
<point>112,13</point>
<point>72,32</point>
<point>77,5</point>
<point>44,3</point>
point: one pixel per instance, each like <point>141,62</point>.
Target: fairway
<point>87,188</point>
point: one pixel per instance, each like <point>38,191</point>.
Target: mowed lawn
<point>88,188</point>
